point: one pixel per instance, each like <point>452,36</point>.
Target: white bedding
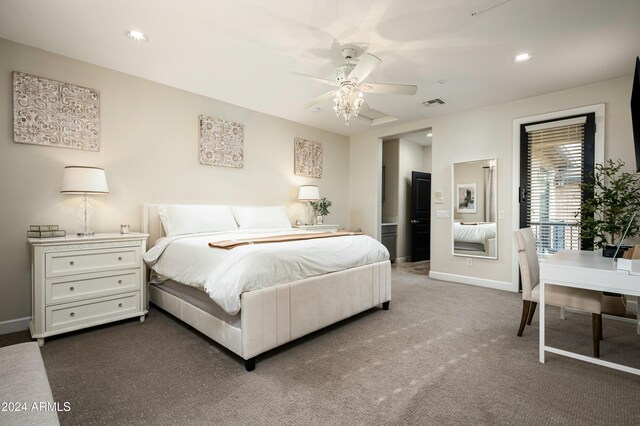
<point>474,233</point>
<point>226,274</point>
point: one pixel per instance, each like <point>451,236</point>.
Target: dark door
<point>420,215</point>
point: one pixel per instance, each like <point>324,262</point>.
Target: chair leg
<point>596,320</point>
<point>532,310</point>
<point>601,335</point>
<point>526,304</point>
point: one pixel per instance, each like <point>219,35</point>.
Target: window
<point>556,157</point>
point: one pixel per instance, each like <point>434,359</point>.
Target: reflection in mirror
<point>474,199</point>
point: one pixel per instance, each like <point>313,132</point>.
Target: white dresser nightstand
<point>79,282</point>
<point>318,228</point>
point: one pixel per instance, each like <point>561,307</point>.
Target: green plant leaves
<point>615,197</point>
<point>321,207</point>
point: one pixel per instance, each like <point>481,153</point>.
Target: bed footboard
<point>276,315</point>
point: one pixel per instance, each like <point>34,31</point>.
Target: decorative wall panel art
<point>308,158</point>
<point>53,113</point>
<point>221,142</point>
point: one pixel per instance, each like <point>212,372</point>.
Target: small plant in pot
<point>321,209</point>
<point>616,196</point>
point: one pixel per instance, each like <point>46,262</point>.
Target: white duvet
<point>226,274</point>
<point>474,233</point>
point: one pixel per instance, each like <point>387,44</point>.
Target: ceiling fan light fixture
<point>347,102</point>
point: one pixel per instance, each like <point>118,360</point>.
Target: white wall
<point>391,161</point>
<point>149,149</point>
<point>426,159</point>
<point>480,134</point>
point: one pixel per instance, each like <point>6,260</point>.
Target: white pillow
<point>190,219</point>
<point>261,217</point>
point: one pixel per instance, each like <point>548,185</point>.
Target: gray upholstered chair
<point>580,299</point>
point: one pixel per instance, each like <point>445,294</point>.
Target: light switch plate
<point>500,214</point>
<point>442,214</point>
<point>439,197</point>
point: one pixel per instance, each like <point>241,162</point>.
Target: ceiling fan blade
<point>318,100</point>
<point>314,78</point>
<point>367,64</point>
<point>390,89</point>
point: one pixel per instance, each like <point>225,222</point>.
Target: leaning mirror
<point>475,231</point>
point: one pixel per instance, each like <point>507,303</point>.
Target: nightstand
<point>79,282</point>
<point>318,228</point>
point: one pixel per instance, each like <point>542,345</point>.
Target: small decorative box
<point>633,266</point>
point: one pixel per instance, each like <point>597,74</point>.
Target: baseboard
<point>465,279</point>
<point>12,326</point>
<point>402,259</point>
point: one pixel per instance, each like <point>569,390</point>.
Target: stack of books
<point>45,231</point>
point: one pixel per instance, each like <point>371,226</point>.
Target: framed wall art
<point>307,158</point>
<point>466,198</point>
<point>221,142</point>
<point>53,113</point>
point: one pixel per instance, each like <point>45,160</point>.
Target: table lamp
<point>308,193</point>
<point>84,180</point>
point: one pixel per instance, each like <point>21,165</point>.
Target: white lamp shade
<point>308,193</point>
<point>84,180</point>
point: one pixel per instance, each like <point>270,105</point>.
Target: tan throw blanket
<point>229,244</point>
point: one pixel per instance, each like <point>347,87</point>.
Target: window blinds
<point>555,161</point>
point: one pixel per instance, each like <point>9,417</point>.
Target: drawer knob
<point>119,257</point>
<point>71,288</point>
<point>72,314</point>
<point>119,281</point>
<point>119,305</point>
<point>72,263</point>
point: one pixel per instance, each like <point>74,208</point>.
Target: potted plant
<point>321,209</point>
<point>613,197</point>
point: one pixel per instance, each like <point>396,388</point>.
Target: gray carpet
<point>416,268</point>
<point>444,354</point>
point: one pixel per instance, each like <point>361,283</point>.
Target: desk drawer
<point>79,315</point>
<point>79,262</point>
<point>79,287</point>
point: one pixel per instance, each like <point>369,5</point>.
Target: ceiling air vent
<point>432,102</point>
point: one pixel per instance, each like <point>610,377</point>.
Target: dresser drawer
<point>79,262</point>
<point>79,287</point>
<point>97,311</point>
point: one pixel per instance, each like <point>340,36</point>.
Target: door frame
<point>599,110</point>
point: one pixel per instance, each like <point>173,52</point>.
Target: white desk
<point>584,269</point>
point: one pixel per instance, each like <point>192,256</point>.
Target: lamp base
<point>86,234</point>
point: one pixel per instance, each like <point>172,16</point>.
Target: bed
<point>477,238</point>
<point>267,317</point>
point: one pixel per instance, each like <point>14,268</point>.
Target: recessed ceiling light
<point>429,134</point>
<point>136,35</point>
<point>522,57</point>
<point>315,109</point>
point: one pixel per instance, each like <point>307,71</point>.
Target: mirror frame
<point>453,207</point>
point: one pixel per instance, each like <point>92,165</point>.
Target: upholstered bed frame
<point>273,316</point>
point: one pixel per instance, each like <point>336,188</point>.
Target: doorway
<point>402,155</point>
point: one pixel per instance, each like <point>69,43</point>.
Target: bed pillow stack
<point>191,219</point>
<point>261,217</point>
<point>180,219</point>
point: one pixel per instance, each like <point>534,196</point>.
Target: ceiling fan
<point>348,97</point>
